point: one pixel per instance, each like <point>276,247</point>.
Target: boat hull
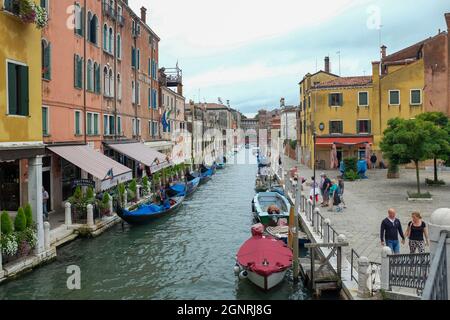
<point>266,282</point>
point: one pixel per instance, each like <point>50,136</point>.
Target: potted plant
<point>20,226</point>
<point>9,243</point>
<point>103,205</point>
<point>145,185</point>
<point>132,190</point>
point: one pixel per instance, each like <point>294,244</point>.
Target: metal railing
<point>121,20</point>
<point>409,270</point>
<point>353,262</point>
<point>108,9</point>
<point>436,286</point>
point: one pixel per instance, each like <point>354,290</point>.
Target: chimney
<point>281,102</point>
<point>327,64</point>
<point>447,19</point>
<point>144,14</point>
<point>383,51</point>
<point>375,71</point>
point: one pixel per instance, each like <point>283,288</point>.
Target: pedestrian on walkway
<point>45,198</point>
<point>341,191</point>
<point>390,228</point>
<point>417,233</point>
<point>373,161</point>
<point>333,195</point>
<point>325,189</point>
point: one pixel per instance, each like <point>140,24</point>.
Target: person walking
<point>341,191</point>
<point>314,192</point>
<point>373,161</point>
<point>333,195</point>
<point>325,190</point>
<point>45,198</point>
<point>417,233</point>
<point>390,228</point>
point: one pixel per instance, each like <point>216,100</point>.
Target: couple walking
<point>417,232</point>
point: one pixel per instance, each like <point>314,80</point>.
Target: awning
<point>95,163</point>
<point>160,145</point>
<point>348,141</point>
<point>143,154</point>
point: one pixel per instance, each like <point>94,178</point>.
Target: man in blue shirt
<point>389,231</point>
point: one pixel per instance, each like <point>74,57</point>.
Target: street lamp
<point>314,166</point>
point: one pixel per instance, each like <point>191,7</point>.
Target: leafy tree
<point>29,215</point>
<point>441,138</point>
<point>6,223</point>
<point>411,140</point>
<point>20,223</point>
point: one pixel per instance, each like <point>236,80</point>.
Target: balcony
<point>108,10</point>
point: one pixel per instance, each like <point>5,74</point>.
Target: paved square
<point>368,201</point>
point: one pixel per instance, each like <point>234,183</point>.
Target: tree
<point>411,140</point>
<point>442,138</point>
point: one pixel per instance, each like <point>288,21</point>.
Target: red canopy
<point>344,140</point>
<point>264,255</point>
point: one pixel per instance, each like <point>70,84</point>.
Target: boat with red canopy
<point>264,260</point>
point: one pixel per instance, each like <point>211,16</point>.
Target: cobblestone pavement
<point>368,201</point>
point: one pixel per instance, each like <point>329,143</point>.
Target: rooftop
<point>345,82</point>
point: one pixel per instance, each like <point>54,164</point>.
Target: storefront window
<point>70,172</point>
<point>9,185</point>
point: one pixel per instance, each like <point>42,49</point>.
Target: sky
<point>253,52</point>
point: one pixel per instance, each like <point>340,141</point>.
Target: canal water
<point>187,255</point>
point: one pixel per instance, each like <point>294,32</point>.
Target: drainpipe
<point>115,68</point>
<point>136,97</point>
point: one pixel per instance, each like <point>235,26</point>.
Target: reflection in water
<point>187,255</point>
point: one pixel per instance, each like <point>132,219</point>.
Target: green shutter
<point>44,121</point>
<point>77,123</point>
<point>12,88</point>
<point>105,124</point>
<point>23,91</point>
<point>95,124</point>
<point>47,62</point>
<point>83,23</point>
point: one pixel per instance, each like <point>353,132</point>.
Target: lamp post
<point>314,167</point>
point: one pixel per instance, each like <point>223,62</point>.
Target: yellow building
<point>21,146</point>
<point>351,113</point>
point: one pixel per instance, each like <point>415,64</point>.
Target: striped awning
<point>141,153</point>
<point>95,163</point>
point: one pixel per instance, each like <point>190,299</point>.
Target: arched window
<point>111,83</point>
<point>111,41</point>
<point>106,91</point>
<point>119,87</point>
<point>46,59</point>
<point>93,26</point>
<point>105,37</point>
<point>119,46</point>
<point>79,25</point>
<point>90,76</point>
<point>96,77</point>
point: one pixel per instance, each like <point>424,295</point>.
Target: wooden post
<point>313,262</point>
<point>295,235</point>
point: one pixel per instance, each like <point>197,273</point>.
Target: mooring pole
<point>295,233</point>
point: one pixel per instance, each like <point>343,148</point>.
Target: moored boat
<point>145,213</point>
<point>186,189</point>
<point>282,232</point>
<point>263,260</point>
<point>205,176</point>
<point>269,207</point>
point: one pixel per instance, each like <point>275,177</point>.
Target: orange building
<point>100,88</point>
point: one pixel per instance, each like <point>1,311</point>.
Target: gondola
<point>145,213</point>
<point>186,189</point>
<point>205,176</point>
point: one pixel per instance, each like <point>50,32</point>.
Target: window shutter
<point>330,129</point>
<point>12,88</point>
<point>329,100</point>
<point>341,99</point>
<point>357,126</point>
<point>24,90</point>
<point>75,70</point>
<point>133,57</point>
<point>47,61</point>
<point>369,126</point>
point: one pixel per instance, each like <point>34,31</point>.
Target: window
<point>111,83</point>
<point>111,41</point>
<point>18,92</point>
<point>119,47</point>
<point>112,125</point>
<point>394,97</point>
<point>416,97</point>
<point>108,125</point>
<point>46,59</point>
<point>149,97</point>
<point>78,72</point>
<point>106,86</point>
<point>138,93</point>
<point>150,66</point>
<point>133,125</point>
<point>119,125</point>
<point>45,5</point>
<point>77,122</point>
<point>92,123</point>
<point>155,99</point>
<point>97,86</point>
<point>363,126</point>
<point>92,28</point>
<point>335,99</point>
<point>138,59</point>
<point>138,129</point>
<point>133,57</point>
<point>363,99</point>
<point>105,37</point>
<point>79,20</point>
<point>336,127</point>
<point>133,92</point>
<point>119,87</point>
<point>45,128</point>
<point>90,76</point>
